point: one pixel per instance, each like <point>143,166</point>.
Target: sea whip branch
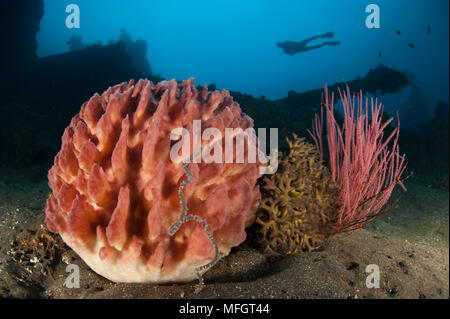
<point>362,164</point>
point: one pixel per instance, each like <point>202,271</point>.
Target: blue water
<point>233,43</point>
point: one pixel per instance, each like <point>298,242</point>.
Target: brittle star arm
<point>183,218</point>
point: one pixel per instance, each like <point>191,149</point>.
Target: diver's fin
<point>327,35</point>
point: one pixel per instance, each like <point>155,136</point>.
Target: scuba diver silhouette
<point>293,47</point>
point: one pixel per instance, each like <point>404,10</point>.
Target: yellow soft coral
<point>297,201</point>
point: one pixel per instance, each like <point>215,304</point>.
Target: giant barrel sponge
<point>116,191</point>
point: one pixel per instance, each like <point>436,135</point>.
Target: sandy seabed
<point>410,245</point>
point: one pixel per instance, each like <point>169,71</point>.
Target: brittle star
<point>183,218</point>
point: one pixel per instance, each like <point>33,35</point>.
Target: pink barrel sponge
<point>115,188</point>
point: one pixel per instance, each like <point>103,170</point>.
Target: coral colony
<point>116,189</point>
<point>365,166</point>
<point>297,201</point>
<point>304,203</point>
<point>140,203</point>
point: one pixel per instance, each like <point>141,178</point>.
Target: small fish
<point>379,54</point>
<point>429,29</point>
<point>398,32</point>
<point>411,45</point>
